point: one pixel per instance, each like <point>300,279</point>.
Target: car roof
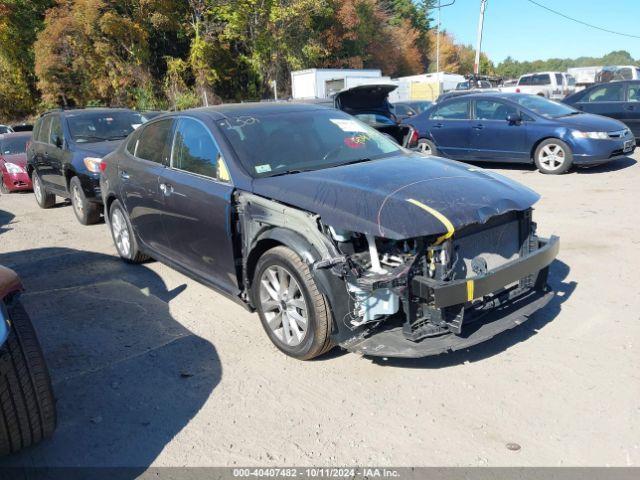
<point>75,111</point>
<point>252,108</point>
<point>4,136</point>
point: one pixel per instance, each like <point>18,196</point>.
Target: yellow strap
<point>445,221</point>
<point>469,290</point>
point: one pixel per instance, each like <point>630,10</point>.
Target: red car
<point>13,161</point>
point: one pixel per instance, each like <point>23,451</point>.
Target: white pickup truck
<point>552,85</point>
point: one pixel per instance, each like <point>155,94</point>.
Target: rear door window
<point>607,93</point>
<point>457,110</point>
<point>544,79</point>
<point>154,140</point>
<point>559,78</point>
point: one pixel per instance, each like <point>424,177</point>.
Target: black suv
<point>66,151</point>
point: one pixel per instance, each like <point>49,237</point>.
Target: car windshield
<point>288,142</point>
<point>544,107</point>
<point>12,146</point>
<point>87,127</point>
<point>5,129</point>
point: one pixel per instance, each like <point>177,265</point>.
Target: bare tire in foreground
<point>27,405</point>
<point>123,235</point>
<point>553,156</point>
<point>294,313</point>
<point>44,198</point>
<point>86,212</point>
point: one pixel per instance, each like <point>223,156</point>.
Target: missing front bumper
<point>392,342</point>
<point>487,304</point>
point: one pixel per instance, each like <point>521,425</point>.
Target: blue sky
<point>525,31</point>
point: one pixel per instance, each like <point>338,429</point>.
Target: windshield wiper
<point>570,113</point>
<point>358,160</point>
<point>289,172</point>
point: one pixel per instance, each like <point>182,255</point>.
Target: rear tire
<point>44,198</point>
<point>553,157</point>
<point>124,238</point>
<point>26,397</point>
<point>299,300</point>
<point>86,212</point>
<point>427,147</point>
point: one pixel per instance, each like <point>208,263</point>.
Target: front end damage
<point>417,296</point>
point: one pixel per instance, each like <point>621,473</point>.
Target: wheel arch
<point>532,154</point>
<point>274,237</point>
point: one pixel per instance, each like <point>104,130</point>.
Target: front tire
<point>3,188</point>
<point>44,198</point>
<point>123,235</point>
<point>293,312</point>
<point>553,157</point>
<point>26,397</point>
<point>86,212</point>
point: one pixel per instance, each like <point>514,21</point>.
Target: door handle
<point>438,125</point>
<point>124,175</point>
<point>46,155</point>
<point>166,189</point>
<point>629,107</point>
<point>478,127</point>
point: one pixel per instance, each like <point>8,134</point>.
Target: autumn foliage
<point>178,53</point>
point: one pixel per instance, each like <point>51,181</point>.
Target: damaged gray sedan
<point>330,230</point>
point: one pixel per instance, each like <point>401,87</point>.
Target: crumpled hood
<point>387,197</point>
<point>587,122</point>
<point>97,149</point>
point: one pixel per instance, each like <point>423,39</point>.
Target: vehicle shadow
<point>126,375</point>
<point>5,219</point>
<point>558,273</point>
<point>613,166</point>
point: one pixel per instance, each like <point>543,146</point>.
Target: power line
<point>581,22</point>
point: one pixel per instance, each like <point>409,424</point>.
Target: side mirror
<point>410,113</point>
<point>513,118</point>
<point>58,142</point>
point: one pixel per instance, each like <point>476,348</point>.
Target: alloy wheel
<point>552,156</point>
<point>120,233</point>
<point>77,201</point>
<point>283,305</point>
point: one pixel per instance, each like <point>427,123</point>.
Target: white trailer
<point>442,82</point>
<point>324,82</point>
<point>584,75</point>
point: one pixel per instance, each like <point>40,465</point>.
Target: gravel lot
<point>152,368</point>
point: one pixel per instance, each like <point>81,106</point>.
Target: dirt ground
<point>152,368</point>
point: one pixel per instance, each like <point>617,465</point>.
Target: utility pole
<point>476,65</point>
<point>438,32</point>
<point>438,40</point>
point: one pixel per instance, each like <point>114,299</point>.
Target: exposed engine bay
<point>379,272</point>
<point>393,297</point>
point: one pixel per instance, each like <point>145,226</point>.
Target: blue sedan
<point>519,128</point>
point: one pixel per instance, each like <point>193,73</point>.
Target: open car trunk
<point>371,105</point>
